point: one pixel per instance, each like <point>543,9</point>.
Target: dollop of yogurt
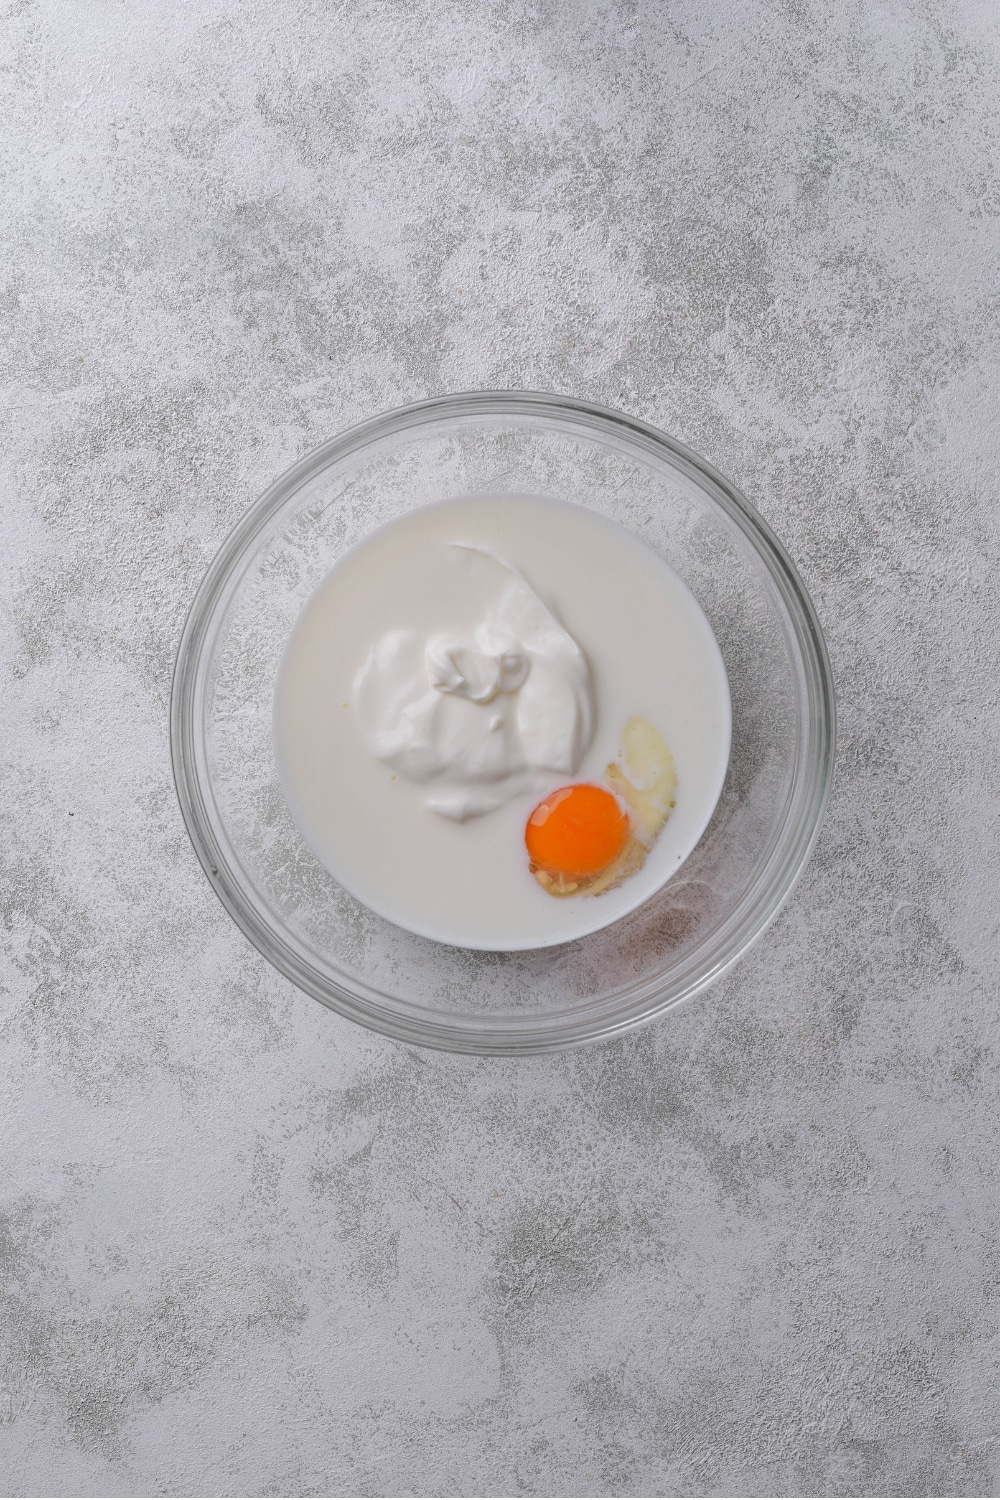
<point>479,716</point>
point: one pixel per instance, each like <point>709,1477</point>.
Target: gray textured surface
<point>247,1247</point>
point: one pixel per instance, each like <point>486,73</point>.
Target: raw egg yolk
<point>576,832</point>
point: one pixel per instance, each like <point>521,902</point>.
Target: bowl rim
<point>591,1021</point>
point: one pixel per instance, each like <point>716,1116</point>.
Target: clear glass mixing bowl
<point>598,986</point>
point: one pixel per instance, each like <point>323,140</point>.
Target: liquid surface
<point>448,612</point>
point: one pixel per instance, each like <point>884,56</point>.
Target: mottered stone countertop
<point>246,1247</point>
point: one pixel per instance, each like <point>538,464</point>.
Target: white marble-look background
<point>246,1247</point>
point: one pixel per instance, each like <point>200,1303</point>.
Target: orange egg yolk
<point>576,832</point>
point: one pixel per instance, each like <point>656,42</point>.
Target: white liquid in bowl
<point>435,574</point>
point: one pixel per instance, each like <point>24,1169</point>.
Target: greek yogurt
<point>479,716</point>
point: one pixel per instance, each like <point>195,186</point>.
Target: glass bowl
<point>541,1000</point>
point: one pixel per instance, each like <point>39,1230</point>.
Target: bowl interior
<point>411,987</point>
